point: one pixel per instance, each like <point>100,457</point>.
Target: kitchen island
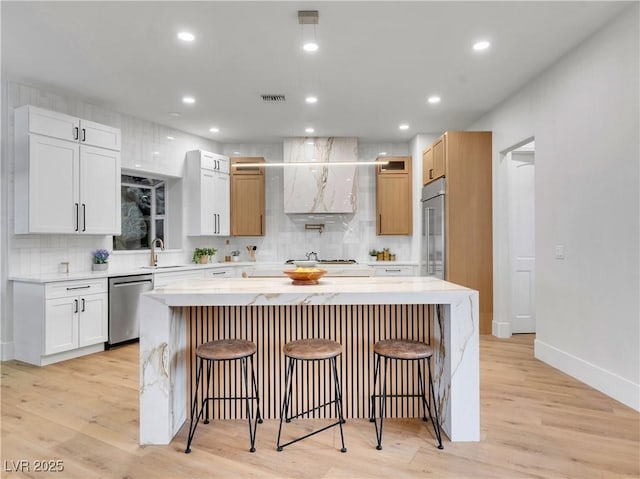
<point>271,311</point>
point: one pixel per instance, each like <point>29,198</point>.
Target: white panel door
<point>93,326</point>
<point>61,325</point>
<point>522,241</point>
<point>53,185</point>
<point>99,191</point>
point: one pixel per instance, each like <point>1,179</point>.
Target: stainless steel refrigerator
<point>432,262</point>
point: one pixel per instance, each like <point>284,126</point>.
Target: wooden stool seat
<point>312,349</point>
<point>402,349</point>
<point>226,349</point>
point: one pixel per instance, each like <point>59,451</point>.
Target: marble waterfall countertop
<point>334,290</point>
<point>163,371</point>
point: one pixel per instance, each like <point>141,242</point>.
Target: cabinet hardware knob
<point>76,133</point>
<point>76,303</point>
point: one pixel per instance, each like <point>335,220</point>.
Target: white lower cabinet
<point>58,321</point>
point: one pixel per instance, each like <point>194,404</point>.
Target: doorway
<point>517,173</point>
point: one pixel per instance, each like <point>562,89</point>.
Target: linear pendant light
<point>311,163</point>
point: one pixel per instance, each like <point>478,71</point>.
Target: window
<point>143,212</point>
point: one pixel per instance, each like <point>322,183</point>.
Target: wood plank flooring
<point>536,423</point>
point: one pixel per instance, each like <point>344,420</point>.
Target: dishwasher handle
<point>131,283</point>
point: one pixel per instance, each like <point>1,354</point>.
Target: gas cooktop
<point>326,261</point>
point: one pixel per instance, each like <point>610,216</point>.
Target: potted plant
<point>373,253</point>
<point>235,255</point>
<point>202,255</point>
<point>100,260</point>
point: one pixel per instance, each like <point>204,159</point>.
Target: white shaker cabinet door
<point>93,321</point>
<point>99,191</point>
<point>53,186</point>
<point>96,134</point>
<point>52,123</point>
<point>61,325</point>
<point>208,220</point>
<point>222,205</point>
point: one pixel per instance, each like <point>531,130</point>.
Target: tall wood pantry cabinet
<point>394,210</point>
<point>67,174</point>
<point>464,159</point>
<point>247,197</point>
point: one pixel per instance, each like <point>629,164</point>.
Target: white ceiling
<point>377,63</point>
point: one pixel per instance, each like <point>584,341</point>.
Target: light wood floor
<point>536,422</point>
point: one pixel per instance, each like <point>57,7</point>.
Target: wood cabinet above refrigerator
<point>394,212</point>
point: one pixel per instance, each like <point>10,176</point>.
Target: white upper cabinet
<point>70,128</point>
<point>208,201</point>
<point>63,185</point>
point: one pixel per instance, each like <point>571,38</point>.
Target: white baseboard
<point>611,384</point>
<point>6,351</point>
<point>501,329</point>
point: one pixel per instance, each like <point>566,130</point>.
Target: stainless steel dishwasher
<point>124,296</point>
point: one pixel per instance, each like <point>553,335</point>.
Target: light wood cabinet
<point>61,320</point>
<point>67,174</point>
<point>466,166</point>
<point>247,197</point>
<point>433,164</point>
<point>394,212</point>
<point>207,182</point>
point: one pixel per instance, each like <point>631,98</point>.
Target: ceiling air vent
<point>273,98</point>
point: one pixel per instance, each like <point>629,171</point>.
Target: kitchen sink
<point>162,267</point>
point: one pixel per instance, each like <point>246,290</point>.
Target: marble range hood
<point>322,188</point>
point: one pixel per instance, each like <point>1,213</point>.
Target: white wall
<point>584,115</point>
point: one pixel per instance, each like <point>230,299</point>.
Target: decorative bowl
<point>305,275</point>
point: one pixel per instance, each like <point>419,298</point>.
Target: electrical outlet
<point>559,251</point>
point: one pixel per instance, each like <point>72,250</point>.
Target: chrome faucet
<point>154,256</point>
<point>312,256</point>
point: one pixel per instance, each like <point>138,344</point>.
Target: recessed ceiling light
<point>382,153</point>
<point>433,99</point>
<point>404,126</point>
<point>309,130</point>
<point>175,114</point>
<point>188,100</point>
<point>311,99</point>
<point>156,153</point>
<point>138,165</point>
<point>311,143</point>
<point>310,47</point>
<point>236,152</point>
<point>213,129</point>
<point>186,36</point>
<point>481,45</point>
<point>170,138</point>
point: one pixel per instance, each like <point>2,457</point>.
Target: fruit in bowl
<point>303,275</point>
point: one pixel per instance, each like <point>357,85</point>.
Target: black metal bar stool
<point>310,350</point>
<point>225,350</point>
<point>402,350</point>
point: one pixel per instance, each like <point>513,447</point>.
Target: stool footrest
<point>335,401</point>
<point>338,423</point>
